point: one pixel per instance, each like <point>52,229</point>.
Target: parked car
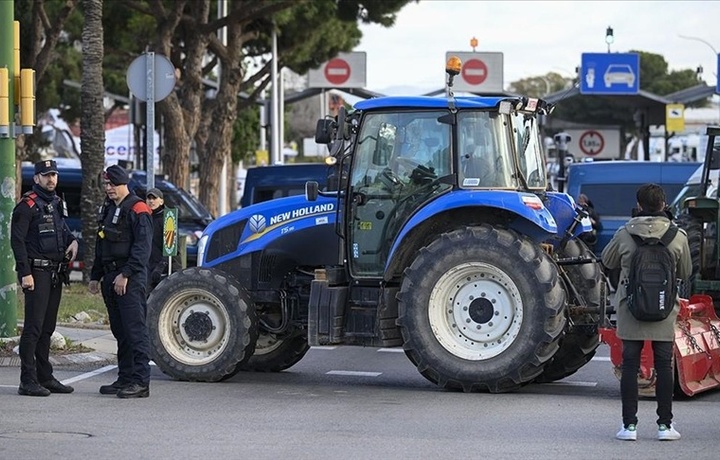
<point>193,217</point>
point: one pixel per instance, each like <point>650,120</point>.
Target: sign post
<point>151,77</point>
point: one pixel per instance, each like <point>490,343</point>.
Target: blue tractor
<point>437,232</point>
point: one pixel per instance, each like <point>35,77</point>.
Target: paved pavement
<point>101,341</point>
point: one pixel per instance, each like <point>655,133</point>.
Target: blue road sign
<point>717,88</point>
<point>610,73</point>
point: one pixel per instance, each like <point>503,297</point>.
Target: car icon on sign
<point>619,73</point>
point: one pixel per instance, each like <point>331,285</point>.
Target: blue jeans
<point>662,356</point>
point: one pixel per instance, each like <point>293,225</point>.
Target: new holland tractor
<point>437,233</point>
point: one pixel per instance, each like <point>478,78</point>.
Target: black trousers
<point>127,322</point>
<point>662,357</point>
<point>41,309</point>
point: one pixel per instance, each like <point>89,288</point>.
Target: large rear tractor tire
<point>578,345</point>
<point>275,354</point>
<point>481,309</point>
<point>202,325</point>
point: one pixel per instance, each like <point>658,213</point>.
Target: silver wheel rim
<point>266,343</point>
<point>475,311</point>
<point>174,334</point>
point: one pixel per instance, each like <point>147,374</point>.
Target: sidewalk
<point>100,340</point>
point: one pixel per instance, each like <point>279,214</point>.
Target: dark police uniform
<point>158,261</point>
<point>39,239</point>
<point>123,247</point>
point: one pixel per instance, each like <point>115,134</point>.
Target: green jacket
<point>618,253</point>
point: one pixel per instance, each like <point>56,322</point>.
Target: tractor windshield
<point>529,148</point>
<point>486,151</point>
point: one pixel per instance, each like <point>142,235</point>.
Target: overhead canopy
<point>652,104</point>
<point>692,94</point>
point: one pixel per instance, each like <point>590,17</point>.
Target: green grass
<point>75,298</point>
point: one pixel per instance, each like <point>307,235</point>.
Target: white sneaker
<point>667,433</point>
<point>628,433</point>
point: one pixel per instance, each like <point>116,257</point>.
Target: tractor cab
<point>400,154</point>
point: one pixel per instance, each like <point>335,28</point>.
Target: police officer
<point>40,241</point>
<point>158,262</point>
<point>122,250</point>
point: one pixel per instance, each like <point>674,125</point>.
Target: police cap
<point>155,192</point>
<point>116,175</point>
<point>46,167</point>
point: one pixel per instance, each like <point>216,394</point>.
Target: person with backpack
<point>122,251</point>
<point>652,254</point>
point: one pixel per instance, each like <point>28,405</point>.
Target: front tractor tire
<point>481,309</point>
<point>202,325</point>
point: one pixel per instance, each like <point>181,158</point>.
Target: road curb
<point>74,359</point>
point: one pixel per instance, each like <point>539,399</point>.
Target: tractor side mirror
<point>324,130</point>
<point>311,190</point>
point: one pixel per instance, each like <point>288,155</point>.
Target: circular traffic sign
<point>592,143</point>
<point>474,72</point>
<point>337,71</point>
<point>163,77</point>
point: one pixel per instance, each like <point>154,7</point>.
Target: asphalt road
<point>349,403</point>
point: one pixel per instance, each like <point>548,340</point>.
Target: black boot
<point>113,388</point>
<point>32,389</point>
<point>56,387</point>
<point>134,390</point>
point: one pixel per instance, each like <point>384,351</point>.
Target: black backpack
<point>652,284</point>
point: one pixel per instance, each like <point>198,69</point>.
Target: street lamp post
<point>700,69</point>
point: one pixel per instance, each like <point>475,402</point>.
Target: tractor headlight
<point>202,243</point>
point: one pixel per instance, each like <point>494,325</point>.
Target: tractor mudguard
<point>261,225</point>
<point>534,220</point>
<point>562,207</point>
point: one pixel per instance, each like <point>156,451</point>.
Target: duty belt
<point>43,263</point>
<point>113,265</point>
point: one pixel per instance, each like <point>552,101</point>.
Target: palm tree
<point>92,124</point>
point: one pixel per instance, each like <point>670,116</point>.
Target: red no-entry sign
<point>337,71</point>
<point>474,71</point>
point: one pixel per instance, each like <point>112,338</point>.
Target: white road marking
<point>355,373</point>
<point>391,350</point>
<point>324,347</point>
<point>88,375</point>
<point>572,384</point>
<point>601,358</point>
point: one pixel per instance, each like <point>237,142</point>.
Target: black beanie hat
<point>116,175</point>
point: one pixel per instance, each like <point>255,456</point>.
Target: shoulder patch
<point>141,208</point>
<point>29,198</point>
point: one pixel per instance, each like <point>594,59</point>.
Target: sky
<point>535,37</point>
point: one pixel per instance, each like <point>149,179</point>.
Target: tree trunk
<point>92,126</point>
<point>181,110</point>
<point>215,136</point>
